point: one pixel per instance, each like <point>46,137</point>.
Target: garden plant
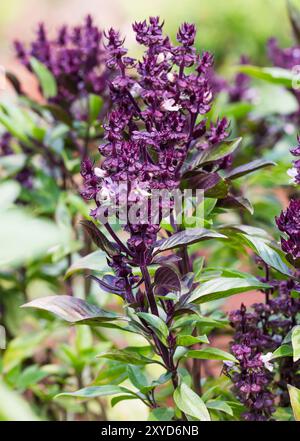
<point>152,192</point>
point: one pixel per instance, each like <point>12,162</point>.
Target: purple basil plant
<point>66,125</point>
<point>266,327</point>
<point>159,137</point>
<point>75,57</point>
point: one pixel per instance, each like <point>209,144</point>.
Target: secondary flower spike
<point>294,172</point>
<point>289,223</point>
<point>75,57</point>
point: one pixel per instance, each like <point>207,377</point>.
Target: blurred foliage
<point>41,241</point>
<point>227,28</point>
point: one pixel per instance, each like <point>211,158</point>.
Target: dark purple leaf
<point>99,238</point>
<point>109,284</point>
<point>248,168</point>
<point>186,237</point>
<point>166,260</point>
<point>236,202</point>
<point>73,310</point>
<point>166,280</point>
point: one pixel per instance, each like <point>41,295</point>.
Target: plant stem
<point>149,290</point>
<point>115,237</point>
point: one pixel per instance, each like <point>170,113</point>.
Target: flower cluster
<point>75,57</point>
<point>241,89</point>
<point>252,376</point>
<point>158,117</point>
<point>294,172</point>
<point>289,223</point>
<point>286,58</point>
<point>264,329</point>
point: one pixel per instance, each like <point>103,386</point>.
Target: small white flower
<point>107,193</point>
<point>171,77</point>
<point>266,361</point>
<point>170,105</point>
<point>103,194</point>
<point>160,58</point>
<point>99,172</point>
<point>208,96</point>
<point>136,90</point>
<point>292,173</point>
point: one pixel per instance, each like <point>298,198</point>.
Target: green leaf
<point>137,376</point>
<point>30,376</point>
<point>94,391</point>
<point>196,159</point>
<point>118,399</point>
<point>249,230</point>
<point>296,343</point>
<point>161,414</point>
<point>73,310</point>
<point>283,351</point>
<point>9,191</point>
<point>11,164</point>
<point>219,405</point>
<point>189,340</point>
<point>236,110</point>
<point>190,403</point>
<point>187,237</point>
<point>45,77</point>
<point>156,323</point>
<point>33,239</point>
<point>111,373</point>
<point>13,407</point>
<point>95,105</point>
<point>210,354</point>
<point>269,255</point>
<point>295,400</point>
<point>15,130</point>
<point>128,356</point>
<point>275,75</point>
<point>96,261</point>
<point>220,151</point>
<point>21,348</point>
<point>198,320</point>
<point>222,287</point>
<point>247,168</point>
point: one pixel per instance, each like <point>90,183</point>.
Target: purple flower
<point>157,119</point>
<point>152,125</point>
<point>186,34</point>
<point>241,89</point>
<point>5,144</point>
<point>251,376</point>
<point>286,58</point>
<point>75,56</point>
<point>294,172</point>
<point>289,223</point>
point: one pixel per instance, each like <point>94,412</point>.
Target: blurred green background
<point>226,27</point>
